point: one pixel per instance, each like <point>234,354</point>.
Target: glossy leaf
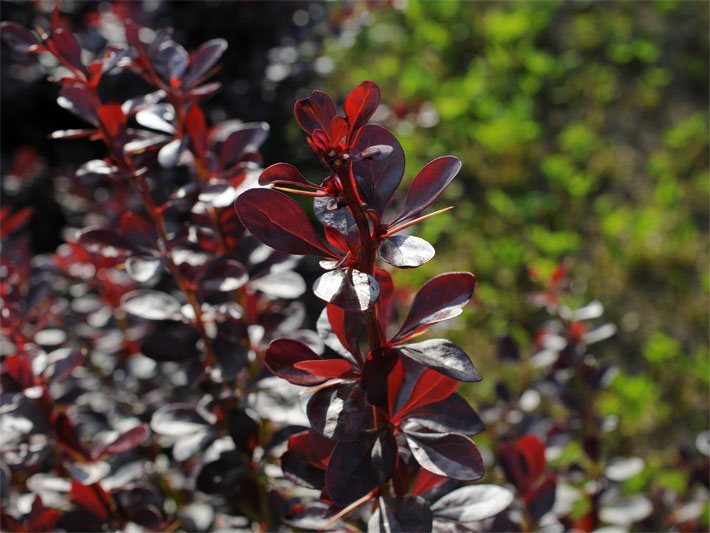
<point>203,59</point>
<point>347,288</point>
<point>406,251</point>
<point>443,356</point>
<point>379,178</point>
<point>357,467</point>
<point>361,103</point>
<point>171,341</point>
<point>473,503</point>
<point>171,60</point>
<point>151,305</point>
<point>62,362</point>
<point>278,221</point>
<point>92,498</point>
<point>450,415</point>
<point>315,112</point>
<point>178,420</point>
<point>18,38</point>
<point>430,387</point>
<point>78,101</point>
<point>306,458</point>
<point>441,298</point>
<point>144,268</point>
<point>282,354</point>
<point>327,368</point>
<point>125,441</point>
<point>338,412</point>
<point>284,174</point>
<point>407,514</point>
<point>223,275</point>
<point>451,455</point>
<point>428,185</point>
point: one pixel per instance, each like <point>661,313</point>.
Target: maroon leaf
<point>306,458</point>
<point>247,139</point>
<point>406,251</point>
<point>443,356</point>
<point>428,185</point>
<point>65,42</point>
<point>379,178</point>
<point>144,268</point>
<point>41,518</point>
<point>171,60</point>
<point>441,298</point>
<point>407,514</point>
<point>68,438</point>
<point>104,242</point>
<point>361,103</point>
<point>452,414</point>
<point>283,354</point>
<point>178,420</point>
<point>355,468</point>
<point>315,112</point>
<point>327,368</point>
<point>473,503</point>
<point>203,59</point>
<point>338,412</point>
<point>223,275</point>
<point>451,455</point>
<point>430,387</point>
<point>278,221</point>
<point>71,134</point>
<point>375,375</point>
<point>284,174</point>
<point>78,101</point>
<point>18,38</point>
<point>347,288</point>
<point>542,499</point>
<point>171,341</point>
<point>125,441</point>
<point>62,362</point>
<point>92,498</point>
<point>150,304</point>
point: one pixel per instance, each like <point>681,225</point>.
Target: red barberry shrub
<point>386,424</point>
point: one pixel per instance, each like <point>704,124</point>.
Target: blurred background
<point>583,131</point>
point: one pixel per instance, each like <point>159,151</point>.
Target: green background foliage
<point>583,128</point>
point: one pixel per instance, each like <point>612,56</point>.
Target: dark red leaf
<point>378,179</point>
<point>407,514</point>
<point>62,362</point>
<point>223,275</point>
<point>338,412</point>
<point>347,288</point>
<point>441,298</point>
<point>284,174</point>
<point>282,354</point>
<point>105,242</point>
<point>278,221</point>
<point>305,460</point>
<point>315,112</point>
<point>375,375</point>
<point>346,328</point>
<point>20,370</point>
<point>472,503</point>
<point>533,450</point>
<point>245,140</point>
<point>125,441</point>
<point>542,499</point>
<point>425,481</point>
<point>41,518</point>
<point>355,468</point>
<point>150,304</point>
<point>78,101</point>
<point>196,126</point>
<point>66,44</point>
<point>361,103</point>
<point>430,387</point>
<point>406,251</point>
<point>18,38</point>
<point>92,498</point>
<point>386,299</point>
<point>450,455</point>
<point>453,414</point>
<point>203,59</point>
<point>171,60</point>
<point>68,438</point>
<point>327,368</point>
<point>9,223</point>
<point>428,186</point>
<point>171,341</point>
<point>443,356</point>
<point>113,121</point>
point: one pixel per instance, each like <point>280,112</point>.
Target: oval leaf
<point>349,289</point>
<point>473,503</point>
<point>428,185</point>
<point>441,298</point>
<point>278,221</point>
<point>443,356</point>
<point>151,305</point>
<point>452,455</point>
<point>406,251</point>
<point>177,420</point>
<point>283,354</point>
<point>361,103</point>
<point>338,412</point>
